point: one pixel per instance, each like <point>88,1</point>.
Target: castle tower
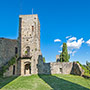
<point>29,44</point>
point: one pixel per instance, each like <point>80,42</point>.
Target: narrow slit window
<point>16,50</point>
<point>32,28</point>
<point>13,69</point>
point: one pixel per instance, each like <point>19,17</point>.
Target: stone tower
<point>29,44</point>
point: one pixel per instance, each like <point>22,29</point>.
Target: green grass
<point>45,82</point>
<point>87,74</point>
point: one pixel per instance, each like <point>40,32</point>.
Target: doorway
<point>27,70</point>
<point>13,69</point>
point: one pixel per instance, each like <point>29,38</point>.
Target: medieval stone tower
<point>27,52</point>
<point>29,44</point>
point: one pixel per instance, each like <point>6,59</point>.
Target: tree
<point>44,59</point>
<point>64,56</point>
<point>88,66</point>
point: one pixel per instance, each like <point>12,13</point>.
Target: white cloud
<point>57,40</point>
<point>68,37</point>
<point>71,39</point>
<point>73,44</point>
<point>88,42</point>
<point>73,53</point>
<point>69,51</point>
<point>60,51</point>
<point>61,46</point>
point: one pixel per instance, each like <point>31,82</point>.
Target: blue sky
<point>58,19</point>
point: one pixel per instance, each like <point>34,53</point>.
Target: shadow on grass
<point>60,84</point>
<point>5,80</point>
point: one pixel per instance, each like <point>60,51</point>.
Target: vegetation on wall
<point>86,68</point>
<point>10,62</point>
<point>64,56</point>
<point>35,49</point>
<point>26,52</point>
<point>44,59</point>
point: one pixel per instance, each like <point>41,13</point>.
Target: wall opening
<point>16,50</point>
<point>61,70</point>
<point>27,70</point>
<point>32,28</point>
<point>13,69</point>
<point>28,51</point>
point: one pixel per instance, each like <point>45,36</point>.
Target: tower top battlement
<point>29,15</point>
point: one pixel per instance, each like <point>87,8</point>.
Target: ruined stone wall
<point>9,72</point>
<point>60,68</point>
<point>7,50</point>
<point>57,68</point>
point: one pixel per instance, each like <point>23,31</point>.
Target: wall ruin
<point>7,50</point>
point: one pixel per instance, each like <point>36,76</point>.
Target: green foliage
<point>86,71</point>
<point>88,65</point>
<point>10,62</point>
<point>16,55</point>
<point>61,57</point>
<point>26,52</point>
<point>4,68</point>
<point>44,59</point>
<point>35,49</point>
<point>64,56</point>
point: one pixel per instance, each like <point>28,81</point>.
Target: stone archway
<point>27,69</point>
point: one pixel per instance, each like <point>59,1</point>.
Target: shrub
<point>86,71</point>
<point>64,56</point>
<point>35,49</point>
<point>5,67</point>
<point>12,61</point>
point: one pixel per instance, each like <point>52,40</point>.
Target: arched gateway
<point>27,68</point>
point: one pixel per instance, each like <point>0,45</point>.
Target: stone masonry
<point>29,43</point>
<point>7,50</point>
<point>27,46</point>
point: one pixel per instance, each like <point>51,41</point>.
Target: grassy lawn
<point>87,74</point>
<point>45,82</point>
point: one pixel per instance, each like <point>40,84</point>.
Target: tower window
<point>28,51</point>
<point>34,17</point>
<point>32,28</point>
<point>16,50</point>
<point>13,69</point>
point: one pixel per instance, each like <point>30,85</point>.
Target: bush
<point>86,71</point>
<point>5,67</point>
<point>12,61</point>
